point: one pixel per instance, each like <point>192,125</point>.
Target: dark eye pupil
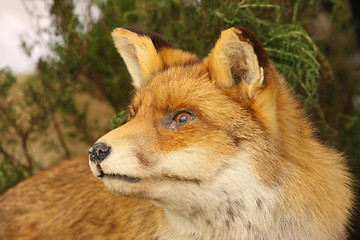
<point>183,118</point>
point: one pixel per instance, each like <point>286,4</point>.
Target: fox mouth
<point>129,179</point>
<point>121,177</point>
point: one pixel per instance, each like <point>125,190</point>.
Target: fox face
<point>218,143</point>
<point>176,137</point>
<point>184,127</point>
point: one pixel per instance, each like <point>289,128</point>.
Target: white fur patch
<point>234,204</point>
<point>229,202</point>
<point>188,163</point>
<point>122,160</point>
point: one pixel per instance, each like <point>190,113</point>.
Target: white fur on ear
<point>233,60</point>
<point>139,53</point>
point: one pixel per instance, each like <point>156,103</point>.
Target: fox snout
<point>98,152</point>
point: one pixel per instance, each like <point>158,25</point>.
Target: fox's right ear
<point>238,60</point>
<point>145,54</point>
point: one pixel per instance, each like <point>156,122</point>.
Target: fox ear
<point>146,54</point>
<point>237,59</point>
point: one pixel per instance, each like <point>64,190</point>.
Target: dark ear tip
<point>158,42</point>
<point>247,35</point>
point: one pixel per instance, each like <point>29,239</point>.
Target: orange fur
<point>244,164</point>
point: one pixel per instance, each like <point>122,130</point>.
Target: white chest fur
<point>234,205</point>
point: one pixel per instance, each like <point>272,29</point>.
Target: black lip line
<point>101,173</point>
<point>122,177</point>
<point>129,179</point>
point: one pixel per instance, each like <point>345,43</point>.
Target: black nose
<point>99,151</point>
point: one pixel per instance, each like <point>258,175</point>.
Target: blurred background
<point>63,85</point>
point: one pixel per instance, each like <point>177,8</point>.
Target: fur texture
<point>213,149</point>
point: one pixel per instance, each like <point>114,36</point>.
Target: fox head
<point>221,138</point>
<point>194,123</point>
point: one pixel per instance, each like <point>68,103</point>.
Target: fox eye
<point>132,112</point>
<point>182,117</point>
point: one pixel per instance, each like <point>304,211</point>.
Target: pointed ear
<point>145,54</point>
<point>238,59</point>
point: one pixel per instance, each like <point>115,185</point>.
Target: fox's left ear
<point>145,54</point>
<point>238,59</point>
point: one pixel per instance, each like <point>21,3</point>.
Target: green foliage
<point>7,80</point>
<point>119,119</point>
<point>84,60</point>
<point>15,129</point>
<point>10,174</point>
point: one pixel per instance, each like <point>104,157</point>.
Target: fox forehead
<point>172,87</point>
<point>185,88</point>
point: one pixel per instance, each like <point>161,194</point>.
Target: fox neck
<point>235,203</point>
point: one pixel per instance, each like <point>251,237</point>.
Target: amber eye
<point>182,117</point>
<point>131,112</point>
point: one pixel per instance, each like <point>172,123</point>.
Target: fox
<point>215,148</point>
